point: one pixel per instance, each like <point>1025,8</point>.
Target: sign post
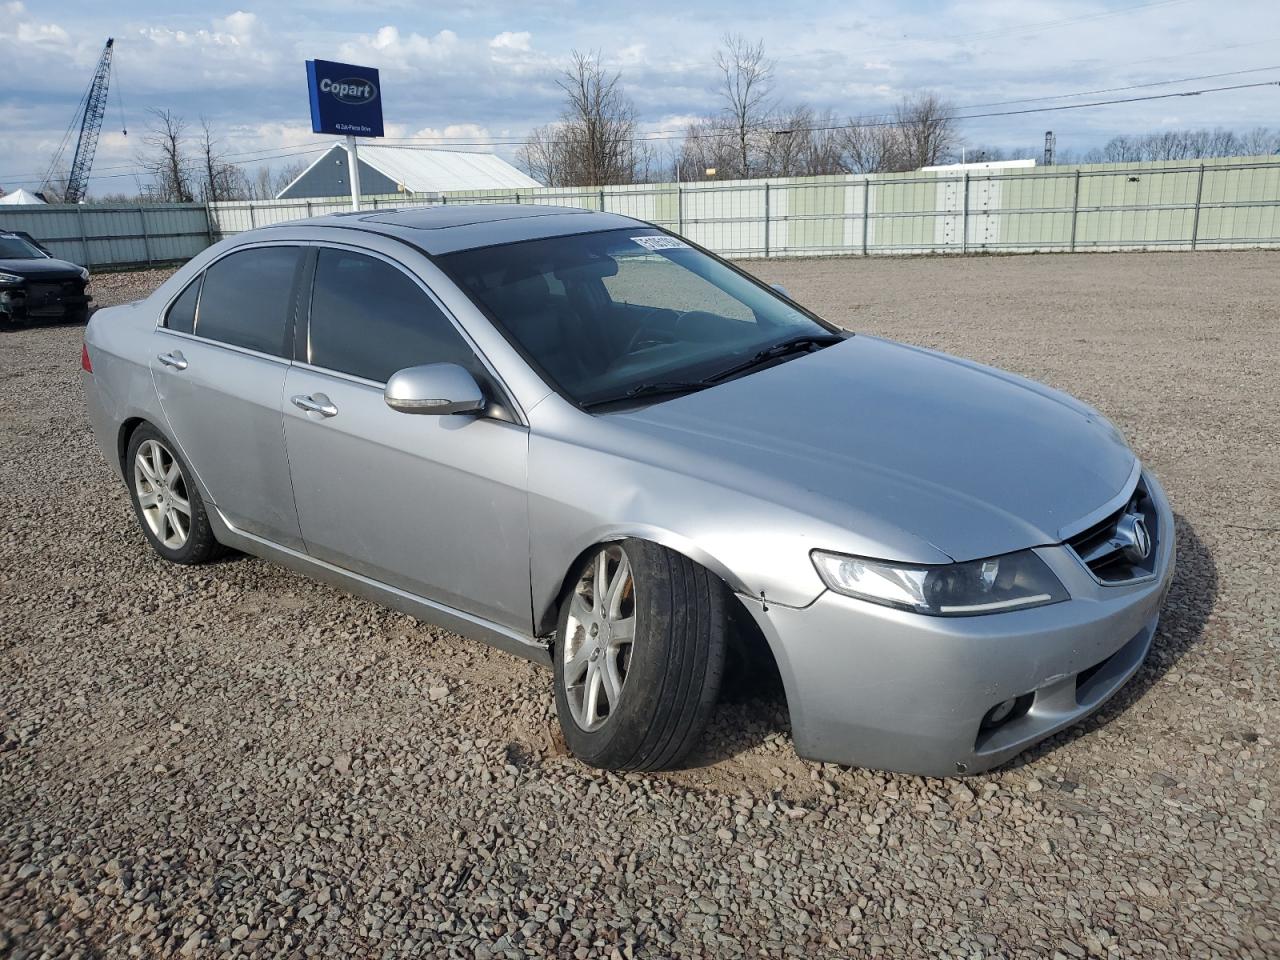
<point>345,99</point>
<point>353,171</point>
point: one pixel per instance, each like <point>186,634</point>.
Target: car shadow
<point>753,706</point>
<point>41,323</point>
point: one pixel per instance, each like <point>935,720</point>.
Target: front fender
<point>580,497</point>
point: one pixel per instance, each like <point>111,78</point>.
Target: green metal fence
<point>1197,205</point>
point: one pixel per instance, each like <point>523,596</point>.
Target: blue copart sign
<point>345,99</point>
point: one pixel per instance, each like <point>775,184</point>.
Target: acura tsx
<point>586,440</point>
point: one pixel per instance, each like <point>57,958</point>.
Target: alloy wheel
<point>599,634</point>
<point>162,494</point>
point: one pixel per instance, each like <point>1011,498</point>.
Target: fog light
<point>1000,712</point>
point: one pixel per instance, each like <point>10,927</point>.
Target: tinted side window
<point>182,315</point>
<point>369,319</point>
<point>246,299</point>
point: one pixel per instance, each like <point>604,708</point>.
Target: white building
<point>389,170</point>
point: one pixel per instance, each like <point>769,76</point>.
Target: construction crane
<point>94,105</point>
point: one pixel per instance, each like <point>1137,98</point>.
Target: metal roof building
<point>388,170</point>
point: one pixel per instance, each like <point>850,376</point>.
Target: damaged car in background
<point>583,439</point>
<point>34,285</point>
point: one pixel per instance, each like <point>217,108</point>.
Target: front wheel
<point>639,656</point>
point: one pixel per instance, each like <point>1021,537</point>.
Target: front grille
<point>51,298</point>
<point>1104,547</point>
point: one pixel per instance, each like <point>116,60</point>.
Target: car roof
<point>450,227</point>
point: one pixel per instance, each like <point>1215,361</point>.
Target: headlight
<point>84,274</point>
<point>1014,581</point>
<point>10,278</point>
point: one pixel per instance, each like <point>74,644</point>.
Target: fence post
<point>253,221</point>
<point>1195,220</point>
<point>766,218</point>
<point>308,209</point>
<point>146,236</point>
<point>80,219</point>
<point>866,211</point>
<point>602,200</point>
<point>1075,210</point>
<point>208,221</point>
<point>964,218</point>
<point>679,209</point>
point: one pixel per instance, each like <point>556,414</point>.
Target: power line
<point>881,120</point>
<point>869,118</point>
<point>878,121</point>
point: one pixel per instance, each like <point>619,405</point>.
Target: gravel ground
<point>235,760</point>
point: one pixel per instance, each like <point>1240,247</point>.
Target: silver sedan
<point>585,440</point>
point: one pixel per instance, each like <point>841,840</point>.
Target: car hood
<point>871,434</point>
<point>43,269</point>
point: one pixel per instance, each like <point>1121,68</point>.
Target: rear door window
<point>182,314</point>
<point>247,299</point>
<point>369,319</point>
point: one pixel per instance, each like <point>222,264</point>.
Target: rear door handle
<point>318,403</point>
<point>175,360</point>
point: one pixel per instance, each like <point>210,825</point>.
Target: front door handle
<point>317,403</point>
<point>175,360</point>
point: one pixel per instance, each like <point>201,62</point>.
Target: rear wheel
<point>166,500</point>
<point>639,656</point>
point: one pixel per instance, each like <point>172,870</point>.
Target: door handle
<point>175,360</point>
<point>316,404</point>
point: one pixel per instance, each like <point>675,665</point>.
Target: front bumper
<point>877,687</point>
<point>52,299</point>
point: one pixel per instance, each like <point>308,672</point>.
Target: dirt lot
<point>234,759</point>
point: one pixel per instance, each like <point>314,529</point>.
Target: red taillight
<point>85,365</point>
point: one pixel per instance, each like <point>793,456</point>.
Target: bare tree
<point>262,186</point>
<point>55,189</point>
<point>709,144</point>
<point>868,148</point>
<point>281,177</point>
<point>928,131</point>
<point>745,87</point>
<point>219,180</point>
<point>594,143</point>
<point>1185,145</point>
<point>167,162</point>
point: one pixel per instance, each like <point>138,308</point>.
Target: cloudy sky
<point>469,71</point>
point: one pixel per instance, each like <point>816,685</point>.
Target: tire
<point>155,471</point>
<point>665,681</point>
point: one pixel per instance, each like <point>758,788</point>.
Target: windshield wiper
<point>794,345</point>
<point>656,388</point>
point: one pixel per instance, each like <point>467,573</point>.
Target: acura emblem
<point>1133,538</point>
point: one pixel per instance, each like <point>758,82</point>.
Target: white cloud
<point>240,25</point>
<point>512,41</point>
<point>473,135</point>
<point>389,49</point>
<point>23,28</point>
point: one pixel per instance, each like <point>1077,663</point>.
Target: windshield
<point>15,248</point>
<point>610,316</point>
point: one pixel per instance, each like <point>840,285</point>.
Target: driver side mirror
<point>434,388</point>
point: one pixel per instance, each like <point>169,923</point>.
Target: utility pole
<point>1050,142</point>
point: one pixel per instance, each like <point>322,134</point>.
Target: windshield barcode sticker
<point>660,243</point>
